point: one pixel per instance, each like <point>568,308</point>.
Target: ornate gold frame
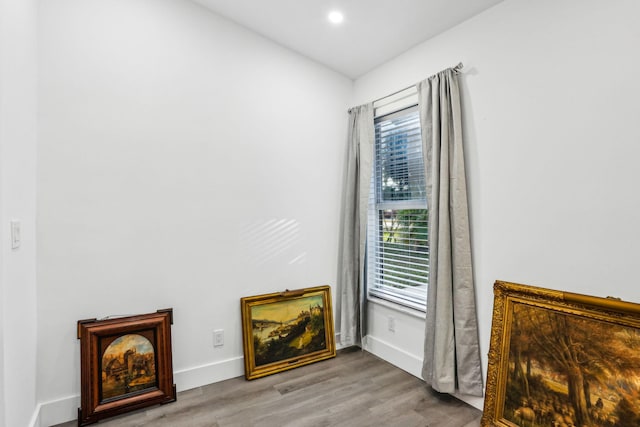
<point>530,324</point>
<point>309,315</point>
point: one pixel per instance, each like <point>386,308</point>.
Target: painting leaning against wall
<point>559,359</point>
<point>125,364</point>
<point>285,330</point>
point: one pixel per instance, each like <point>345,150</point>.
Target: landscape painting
<point>128,365</point>
<point>287,329</point>
<point>571,360</point>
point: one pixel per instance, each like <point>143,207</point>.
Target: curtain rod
<point>456,69</point>
<point>394,93</point>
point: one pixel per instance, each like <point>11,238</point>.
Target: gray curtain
<point>451,350</point>
<point>351,262</point>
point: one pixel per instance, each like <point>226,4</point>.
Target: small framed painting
<point>562,359</point>
<point>287,329</point>
<point>125,364</point>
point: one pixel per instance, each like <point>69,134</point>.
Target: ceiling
<point>373,31</point>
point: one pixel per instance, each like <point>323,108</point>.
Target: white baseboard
<point>476,402</point>
<point>198,376</point>
<point>57,411</point>
<point>66,409</point>
<point>35,417</point>
<point>394,355</point>
<point>410,363</point>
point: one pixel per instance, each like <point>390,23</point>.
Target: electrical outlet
<point>15,234</point>
<point>391,324</point>
<point>218,338</point>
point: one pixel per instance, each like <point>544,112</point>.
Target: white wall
<point>154,191</point>
<point>552,145</point>
<point>183,162</point>
<point>18,105</point>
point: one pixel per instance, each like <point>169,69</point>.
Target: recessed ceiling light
<point>336,17</point>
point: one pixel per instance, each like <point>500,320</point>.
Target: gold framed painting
<point>125,364</point>
<point>562,359</point>
<point>287,329</point>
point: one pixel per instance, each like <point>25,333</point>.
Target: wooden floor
<point>354,389</point>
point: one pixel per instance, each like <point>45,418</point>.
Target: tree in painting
<point>570,370</point>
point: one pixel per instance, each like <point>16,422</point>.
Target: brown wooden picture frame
<point>560,358</point>
<point>285,330</point>
<point>125,363</point>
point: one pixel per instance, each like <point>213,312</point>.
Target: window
<point>397,237</point>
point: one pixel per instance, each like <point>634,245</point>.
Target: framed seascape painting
<point>287,329</point>
<point>562,359</point>
<point>125,364</point>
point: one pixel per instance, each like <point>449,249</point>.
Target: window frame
<point>414,298</point>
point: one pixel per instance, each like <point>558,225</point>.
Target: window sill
<point>397,307</point>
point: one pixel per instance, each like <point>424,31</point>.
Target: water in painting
<point>286,329</point>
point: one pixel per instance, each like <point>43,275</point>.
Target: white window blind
<point>397,243</point>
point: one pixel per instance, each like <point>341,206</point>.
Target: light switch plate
<point>15,234</point>
<point>218,338</point>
